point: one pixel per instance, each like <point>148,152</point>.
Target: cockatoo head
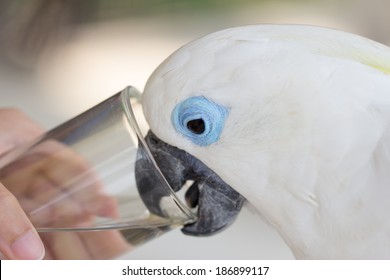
<point>244,113</point>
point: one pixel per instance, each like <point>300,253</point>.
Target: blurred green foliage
<point>79,11</point>
<point>108,8</point>
<point>169,6</point>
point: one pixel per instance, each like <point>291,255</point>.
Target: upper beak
<point>218,204</point>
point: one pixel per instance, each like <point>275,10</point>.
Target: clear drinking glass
<point>80,177</point>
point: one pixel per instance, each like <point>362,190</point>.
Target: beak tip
<point>193,230</point>
<point>216,211</point>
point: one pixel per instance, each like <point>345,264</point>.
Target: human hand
<point>38,178</point>
<point>18,238</point>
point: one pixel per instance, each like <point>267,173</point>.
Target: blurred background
<point>60,57</point>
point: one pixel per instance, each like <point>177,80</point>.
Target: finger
<point>58,185</point>
<point>67,181</point>
<point>65,245</point>
<point>41,198</point>
<point>77,178</point>
<point>19,128</point>
<point>18,238</point>
<point>74,178</point>
<point>95,245</point>
<point>105,244</point>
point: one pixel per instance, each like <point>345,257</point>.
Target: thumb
<point>18,238</point>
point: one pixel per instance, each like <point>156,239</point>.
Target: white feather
<point>307,136</point>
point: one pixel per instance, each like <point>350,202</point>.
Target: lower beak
<point>218,204</point>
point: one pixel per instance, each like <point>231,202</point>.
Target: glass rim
<point>131,92</point>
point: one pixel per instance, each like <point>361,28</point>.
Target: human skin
<point>40,173</point>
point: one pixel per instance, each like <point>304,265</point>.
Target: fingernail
<point>28,247</point>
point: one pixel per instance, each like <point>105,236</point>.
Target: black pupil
<point>196,126</point>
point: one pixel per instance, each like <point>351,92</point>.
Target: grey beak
<point>218,204</point>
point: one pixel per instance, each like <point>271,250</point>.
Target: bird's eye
<point>196,126</point>
<point>199,119</point>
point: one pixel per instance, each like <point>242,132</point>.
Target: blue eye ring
<point>199,119</point>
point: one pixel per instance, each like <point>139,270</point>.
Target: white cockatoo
<point>293,119</point>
